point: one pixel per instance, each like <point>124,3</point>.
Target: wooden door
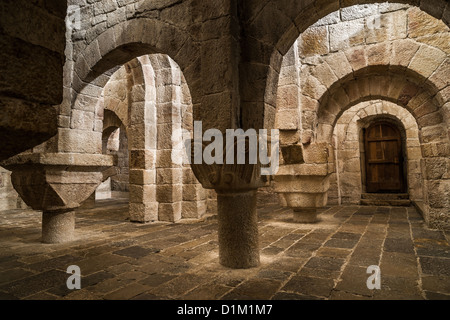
<point>384,160</point>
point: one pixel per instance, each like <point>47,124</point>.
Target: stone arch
<point>405,70</point>
<point>131,39</point>
<point>299,16</point>
<point>347,183</point>
<point>156,101</point>
<point>110,139</point>
<point>115,97</point>
<point>395,84</point>
<point>103,56</point>
<point>302,15</point>
<point>421,98</point>
<point>114,142</point>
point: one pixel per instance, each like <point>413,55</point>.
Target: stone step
<point>385,196</point>
<point>386,202</point>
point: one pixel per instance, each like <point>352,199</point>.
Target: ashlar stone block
<point>339,64</point>
<point>193,209</point>
<point>193,192</point>
<point>143,212</point>
<point>169,193</point>
<point>427,60</point>
<point>314,41</point>
<point>170,212</point>
<point>288,119</point>
<point>346,34</point>
<point>403,51</point>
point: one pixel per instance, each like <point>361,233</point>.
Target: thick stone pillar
<point>304,187</point>
<point>57,184</point>
<point>31,69</point>
<point>238,229</point>
<point>58,226</point>
<point>305,194</point>
<point>236,187</point>
<point>228,84</point>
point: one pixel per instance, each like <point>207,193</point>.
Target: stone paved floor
<point>328,260</point>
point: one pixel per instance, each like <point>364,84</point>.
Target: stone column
<point>58,226</point>
<point>57,184</point>
<point>303,193</point>
<point>236,187</point>
<point>227,101</point>
<point>28,94</point>
<point>169,176</point>
<point>142,143</point>
<point>238,229</point>
<point>305,186</point>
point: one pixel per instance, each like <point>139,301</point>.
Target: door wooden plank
<point>384,163</point>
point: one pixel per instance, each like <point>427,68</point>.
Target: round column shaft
<point>58,226</point>
<point>238,230</point>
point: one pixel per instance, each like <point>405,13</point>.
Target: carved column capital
<point>229,177</point>
<point>224,178</point>
<point>52,182</point>
<point>304,188</point>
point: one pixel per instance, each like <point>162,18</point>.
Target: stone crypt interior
<point>92,91</point>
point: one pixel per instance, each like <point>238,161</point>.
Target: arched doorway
<point>384,158</point>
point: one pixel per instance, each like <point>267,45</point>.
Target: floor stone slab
<point>326,260</point>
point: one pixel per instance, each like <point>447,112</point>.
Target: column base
<point>238,230</point>
<point>58,226</point>
<point>305,215</point>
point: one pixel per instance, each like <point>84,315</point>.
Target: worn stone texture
<point>160,65</point>
<point>327,260</point>
<point>371,49</point>
<point>32,37</point>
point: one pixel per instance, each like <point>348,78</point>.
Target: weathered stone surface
<point>238,240</point>
<point>422,24</point>
<point>143,212</point>
<point>357,58</point>
<point>58,227</point>
<point>44,186</point>
<point>314,41</point>
<point>403,52</point>
<point>339,64</point>
<point>325,74</point>
<point>427,60</point>
<point>230,59</point>
<point>346,34</point>
<point>390,26</point>
<point>379,54</point>
<point>440,76</point>
<point>358,11</point>
<point>24,125</point>
<point>292,154</point>
<point>288,119</point>
<point>32,37</point>
<point>440,41</point>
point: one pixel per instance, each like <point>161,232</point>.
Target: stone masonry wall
<point>392,52</point>
<point>31,67</point>
<point>148,98</point>
<point>325,47</point>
